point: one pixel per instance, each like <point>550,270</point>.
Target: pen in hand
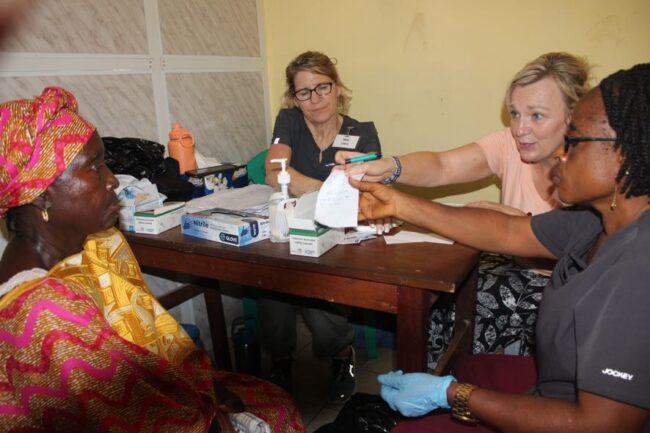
<point>360,158</point>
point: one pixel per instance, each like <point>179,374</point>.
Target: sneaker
<point>344,382</point>
<point>281,374</point>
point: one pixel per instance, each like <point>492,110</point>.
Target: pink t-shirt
<point>517,186</point>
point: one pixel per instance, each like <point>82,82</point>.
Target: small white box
<point>158,220</point>
<point>226,227</point>
<point>306,236</point>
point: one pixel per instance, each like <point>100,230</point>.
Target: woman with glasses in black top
<point>308,132</point>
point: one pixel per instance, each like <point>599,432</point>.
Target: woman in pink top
<point>539,99</point>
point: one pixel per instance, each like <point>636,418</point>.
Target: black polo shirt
<point>593,329</point>
<point>291,129</point>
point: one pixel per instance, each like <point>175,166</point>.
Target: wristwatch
<point>460,405</point>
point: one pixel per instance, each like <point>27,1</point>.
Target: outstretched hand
<point>373,171</point>
<point>414,394</point>
<point>375,200</point>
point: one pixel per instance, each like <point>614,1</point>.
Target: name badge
<point>346,141</point>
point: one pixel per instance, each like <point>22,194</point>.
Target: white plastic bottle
<point>280,205</point>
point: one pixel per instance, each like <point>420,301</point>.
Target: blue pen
<point>360,158</point>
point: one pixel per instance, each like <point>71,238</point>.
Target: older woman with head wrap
<point>592,332</point>
<point>84,346</point>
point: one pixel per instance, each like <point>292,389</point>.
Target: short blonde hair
<point>571,73</point>
<point>316,63</point>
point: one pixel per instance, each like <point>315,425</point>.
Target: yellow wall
<point>431,73</point>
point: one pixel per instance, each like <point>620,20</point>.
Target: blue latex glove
<point>414,394</point>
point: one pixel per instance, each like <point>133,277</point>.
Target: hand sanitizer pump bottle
<point>280,205</point>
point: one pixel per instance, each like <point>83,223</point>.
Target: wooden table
<point>401,279</point>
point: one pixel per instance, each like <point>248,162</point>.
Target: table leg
<point>411,345</point>
<point>462,338</point>
<point>217,322</point>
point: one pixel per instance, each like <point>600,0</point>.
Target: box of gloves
<point>226,226</point>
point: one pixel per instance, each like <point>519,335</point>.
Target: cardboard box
<point>219,177</point>
<point>160,219</point>
<point>229,228</point>
<point>314,243</point>
<point>306,236</point>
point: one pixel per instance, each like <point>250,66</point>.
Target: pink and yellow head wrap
<point>39,138</point>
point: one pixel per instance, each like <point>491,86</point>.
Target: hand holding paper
<point>338,201</point>
<point>376,200</point>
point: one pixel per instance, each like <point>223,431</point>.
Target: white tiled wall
<point>135,66</point>
<point>138,65</point>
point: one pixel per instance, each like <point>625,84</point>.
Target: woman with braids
<point>593,327</point>
<point>539,99</point>
<point>84,345</point>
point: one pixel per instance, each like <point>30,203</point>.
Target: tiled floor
<point>311,377</point>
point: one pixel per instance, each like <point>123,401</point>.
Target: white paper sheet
<point>338,201</point>
<point>406,237</point>
<point>251,198</point>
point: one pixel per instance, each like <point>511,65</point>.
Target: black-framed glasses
<point>569,141</point>
<point>322,89</point>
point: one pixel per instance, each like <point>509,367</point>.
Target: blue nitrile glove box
<point>226,228</point>
<point>219,177</point>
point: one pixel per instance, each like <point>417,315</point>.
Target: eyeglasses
<point>322,89</point>
<point>572,141</point>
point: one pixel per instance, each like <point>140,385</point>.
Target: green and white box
<point>314,243</point>
<point>160,219</point>
<point>306,236</point>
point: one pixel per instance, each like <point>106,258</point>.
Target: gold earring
<point>45,215</point>
<point>612,205</point>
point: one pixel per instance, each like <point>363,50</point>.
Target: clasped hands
<point>414,394</point>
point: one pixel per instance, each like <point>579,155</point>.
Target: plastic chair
<point>255,168</point>
<point>370,333</point>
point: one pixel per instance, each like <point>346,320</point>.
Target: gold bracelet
<point>460,406</point>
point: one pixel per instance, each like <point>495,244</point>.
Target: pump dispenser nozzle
<point>284,178</point>
<point>280,205</point>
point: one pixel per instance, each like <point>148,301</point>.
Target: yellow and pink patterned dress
<point>88,348</point>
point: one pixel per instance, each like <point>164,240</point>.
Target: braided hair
<point>626,94</point>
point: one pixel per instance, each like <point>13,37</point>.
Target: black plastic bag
<point>171,184</point>
<point>137,157</point>
<point>141,159</point>
<point>363,413</point>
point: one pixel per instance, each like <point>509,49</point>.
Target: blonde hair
<point>316,63</point>
<point>571,73</point>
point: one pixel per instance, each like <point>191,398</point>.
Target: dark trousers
<point>328,323</point>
